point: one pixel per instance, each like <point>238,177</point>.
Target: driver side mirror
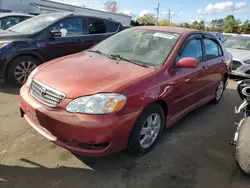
<point>187,62</point>
<point>56,33</point>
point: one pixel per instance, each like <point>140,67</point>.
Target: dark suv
<point>45,37</point>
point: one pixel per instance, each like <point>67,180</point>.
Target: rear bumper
<point>92,135</point>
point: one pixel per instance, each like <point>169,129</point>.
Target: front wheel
<point>243,147</point>
<point>20,68</point>
<point>146,130</point>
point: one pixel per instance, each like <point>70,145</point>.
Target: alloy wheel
<point>220,90</point>
<point>23,70</point>
<point>150,130</point>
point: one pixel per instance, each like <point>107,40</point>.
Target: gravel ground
<point>194,153</point>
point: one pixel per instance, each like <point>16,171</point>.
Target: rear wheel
<point>20,68</point>
<point>243,147</point>
<point>147,130</point>
<point>219,92</point>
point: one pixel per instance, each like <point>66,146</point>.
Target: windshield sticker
<point>139,35</point>
<point>164,35</point>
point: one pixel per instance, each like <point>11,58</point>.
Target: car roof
<point>14,14</point>
<point>80,14</point>
<point>179,30</point>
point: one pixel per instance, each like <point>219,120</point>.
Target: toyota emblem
<point>43,91</point>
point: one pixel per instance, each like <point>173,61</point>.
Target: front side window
<point>212,49</point>
<point>148,47</point>
<point>96,26</point>
<point>192,49</point>
<point>70,27</point>
<point>10,21</point>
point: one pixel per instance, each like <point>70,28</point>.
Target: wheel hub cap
<point>220,90</point>
<point>23,70</point>
<point>150,130</point>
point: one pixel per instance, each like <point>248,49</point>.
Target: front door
<point>188,83</point>
<point>71,41</point>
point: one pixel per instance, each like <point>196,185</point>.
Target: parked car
<point>220,36</point>
<point>8,20</point>
<point>239,47</point>
<point>122,92</point>
<point>45,37</point>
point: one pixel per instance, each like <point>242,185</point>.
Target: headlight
<point>4,43</point>
<point>102,103</point>
<point>29,80</point>
<point>247,61</point>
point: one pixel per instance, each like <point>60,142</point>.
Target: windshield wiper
<point>119,57</point>
<point>98,52</point>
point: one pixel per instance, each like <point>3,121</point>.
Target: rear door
<point>71,41</point>
<point>189,82</point>
<point>98,30</point>
<point>215,61</point>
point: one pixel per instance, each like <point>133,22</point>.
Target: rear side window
<point>112,27</point>
<point>96,26</point>
<point>212,49</point>
<point>192,49</point>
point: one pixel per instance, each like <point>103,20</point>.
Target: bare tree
<point>111,6</point>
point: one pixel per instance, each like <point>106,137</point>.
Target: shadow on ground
<point>194,153</point>
<point>8,89</point>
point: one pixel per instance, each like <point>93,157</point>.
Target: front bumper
<point>243,70</point>
<point>92,135</point>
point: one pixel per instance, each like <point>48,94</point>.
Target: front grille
<point>247,72</point>
<point>236,65</point>
<point>45,94</point>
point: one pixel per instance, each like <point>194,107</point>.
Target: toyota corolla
<point>121,93</point>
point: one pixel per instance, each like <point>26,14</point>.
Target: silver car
<point>239,47</point>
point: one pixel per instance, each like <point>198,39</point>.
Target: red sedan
<point>121,93</point>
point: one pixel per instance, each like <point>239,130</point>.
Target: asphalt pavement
<point>194,153</point>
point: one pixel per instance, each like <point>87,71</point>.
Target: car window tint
<point>10,21</point>
<point>211,49</point>
<point>70,27</point>
<point>192,49</point>
<point>96,26</point>
<point>112,27</point>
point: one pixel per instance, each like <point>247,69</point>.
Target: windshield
<point>238,43</point>
<point>36,24</point>
<point>144,46</point>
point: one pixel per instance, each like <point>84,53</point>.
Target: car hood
<point>238,54</point>
<point>8,35</point>
<point>85,74</point>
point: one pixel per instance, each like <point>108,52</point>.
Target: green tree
<point>135,23</point>
<point>245,28</point>
<point>147,19</point>
<point>163,22</point>
<point>231,24</point>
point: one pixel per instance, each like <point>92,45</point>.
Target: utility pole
<point>157,13</point>
<point>169,16</point>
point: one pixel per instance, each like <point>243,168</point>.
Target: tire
<point>220,87</point>
<point>243,147</point>
<point>136,137</point>
<point>28,64</point>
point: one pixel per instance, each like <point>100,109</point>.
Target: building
<point>44,6</point>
